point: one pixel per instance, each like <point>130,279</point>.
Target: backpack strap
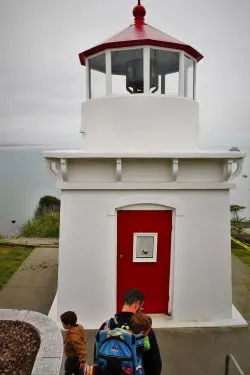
<point>112,323</point>
<point>139,342</point>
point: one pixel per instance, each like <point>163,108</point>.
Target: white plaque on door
<point>145,247</point>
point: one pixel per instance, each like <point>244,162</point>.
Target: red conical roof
<point>140,34</point>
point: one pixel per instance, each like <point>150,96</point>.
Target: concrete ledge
<point>53,310</point>
<point>164,321</point>
<point>10,243</point>
<point>50,354</point>
<point>30,242</point>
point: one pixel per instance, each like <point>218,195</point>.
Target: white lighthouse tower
<point>141,205</point>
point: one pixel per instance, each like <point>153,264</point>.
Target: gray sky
<point>42,81</point>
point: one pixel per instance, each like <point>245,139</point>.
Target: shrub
<point>47,204</point>
<point>44,225</point>
<point>235,210</point>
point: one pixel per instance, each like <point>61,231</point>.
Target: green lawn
<point>11,257</point>
<point>243,255</point>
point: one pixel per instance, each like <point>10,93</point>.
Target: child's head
<point>68,319</point>
<point>140,323</point>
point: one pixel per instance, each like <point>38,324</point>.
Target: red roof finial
<point>139,13</point>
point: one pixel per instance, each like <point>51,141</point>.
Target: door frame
<point>140,202</point>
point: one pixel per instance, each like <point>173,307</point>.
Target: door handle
<point>121,256</point>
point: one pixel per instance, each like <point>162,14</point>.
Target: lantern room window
<point>144,70</point>
<point>96,76</point>
<point>164,72</point>
<point>127,71</point>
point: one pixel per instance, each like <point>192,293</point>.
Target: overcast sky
<point>42,81</point>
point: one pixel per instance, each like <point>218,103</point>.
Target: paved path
<point>202,351</point>
<point>197,351</point>
<point>241,287</point>
<point>36,242</point>
<point>34,284</point>
<point>184,351</point>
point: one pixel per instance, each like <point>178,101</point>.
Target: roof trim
<point>132,43</point>
<point>132,36</point>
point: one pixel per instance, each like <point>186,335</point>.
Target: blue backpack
<point>117,352</point>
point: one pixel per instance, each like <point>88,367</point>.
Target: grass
<point>45,225</point>
<point>243,255</point>
<point>11,257</point>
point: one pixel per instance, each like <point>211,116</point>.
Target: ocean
<point>24,179</point>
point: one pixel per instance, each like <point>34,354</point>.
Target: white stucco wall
<point>201,268</point>
<point>202,258</point>
<point>140,122</point>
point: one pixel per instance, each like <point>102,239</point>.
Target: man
<point>133,302</point>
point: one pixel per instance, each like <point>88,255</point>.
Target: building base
<point>164,321</point>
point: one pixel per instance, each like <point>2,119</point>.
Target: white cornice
<point>199,154</point>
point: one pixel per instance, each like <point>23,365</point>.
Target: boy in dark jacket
<point>74,344</point>
<point>133,302</point>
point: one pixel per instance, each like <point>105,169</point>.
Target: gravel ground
<point>19,344</point>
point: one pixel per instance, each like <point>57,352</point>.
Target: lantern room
<point>140,60</point>
<point>140,76</point>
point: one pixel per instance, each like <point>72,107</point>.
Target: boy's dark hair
<point>69,317</point>
<point>140,322</point>
<point>133,295</point>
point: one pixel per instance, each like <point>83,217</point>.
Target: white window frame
<point>88,80</point>
<point>145,260</point>
<point>194,78</point>
<point>146,70</point>
<point>181,74</point>
<point>108,73</point>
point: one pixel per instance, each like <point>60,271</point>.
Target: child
<point>74,344</point>
<point>141,323</point>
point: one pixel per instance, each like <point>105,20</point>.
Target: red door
<point>152,278</point>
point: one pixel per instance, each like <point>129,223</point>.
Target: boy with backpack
<point>151,359</point>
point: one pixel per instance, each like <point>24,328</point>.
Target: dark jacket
<point>151,359</point>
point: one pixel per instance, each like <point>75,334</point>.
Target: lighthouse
<point>141,205</point>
